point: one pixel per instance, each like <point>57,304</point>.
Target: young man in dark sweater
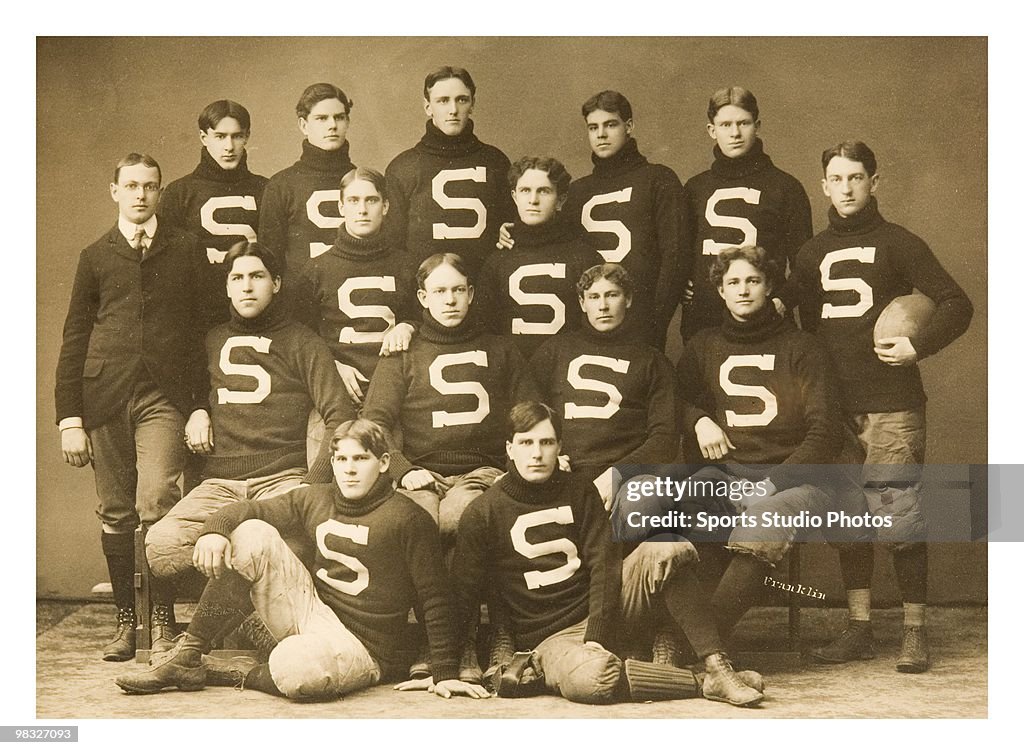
<point>529,293</point>
<point>447,397</point>
<point>448,193</point>
<point>299,217</point>
<point>341,629</point>
<point>756,394</point>
<point>845,277</point>
<point>616,394</point>
<point>361,294</point>
<point>631,212</point>
<point>266,373</point>
<point>743,200</point>
<point>125,373</point>
<point>219,201</point>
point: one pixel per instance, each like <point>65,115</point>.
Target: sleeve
<point>78,325</point>
<point>604,563</point>
<point>687,241</point>
<point>329,397</point>
<point>273,232</point>
<point>801,290</point>
<point>693,399</point>
<point>304,301</point>
<point>798,228</point>
<point>172,205</point>
<point>470,568</point>
<point>953,310</point>
<point>200,375</point>
<point>823,436</point>
<point>522,386</point>
<point>425,563</point>
<point>670,240</point>
<point>662,443</point>
<point>487,296</point>
<point>542,367</point>
<point>396,224</point>
<point>281,511</point>
<point>383,405</point>
<point>506,208</point>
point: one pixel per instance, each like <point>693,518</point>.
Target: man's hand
<point>897,351</point>
<point>351,377</point>
<point>603,483</point>
<point>779,306</point>
<point>417,479</point>
<point>563,463</point>
<point>444,689</point>
<point>714,443</point>
<point>397,339</point>
<point>75,446</point>
<point>199,432</point>
<point>756,497</point>
<point>687,297</point>
<point>505,240</point>
<point>658,560</point>
<point>212,555</point>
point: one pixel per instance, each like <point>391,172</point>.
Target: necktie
<point>140,241</point>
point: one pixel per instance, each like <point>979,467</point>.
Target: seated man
<point>266,373</point>
<point>447,397</point>
<point>757,393</point>
<point>540,540</point>
<point>615,393</point>
<point>341,629</point>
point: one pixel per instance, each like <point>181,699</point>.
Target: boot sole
<point>833,660</point>
<point>912,668</point>
<point>749,704</point>
<point>117,657</point>
<point>133,689</point>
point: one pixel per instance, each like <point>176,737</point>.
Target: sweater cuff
<point>70,422</point>
<point>444,670</point>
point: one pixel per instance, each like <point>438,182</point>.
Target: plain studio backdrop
<point>920,103</point>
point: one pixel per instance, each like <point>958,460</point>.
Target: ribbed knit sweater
<point>449,396</point>
<point>395,542</point>
<point>266,373</point>
<point>866,263</point>
<point>546,549</point>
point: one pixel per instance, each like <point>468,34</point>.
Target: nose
<point>534,197</point>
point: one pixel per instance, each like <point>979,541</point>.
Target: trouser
<point>451,495</point>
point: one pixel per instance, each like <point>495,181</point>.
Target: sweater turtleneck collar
<point>435,332</point>
<point>866,220</point>
<point>332,162</point>
<point>532,492</point>
<point>763,326</point>
<point>355,248</point>
<point>734,167</point>
<point>269,319</point>
<point>555,231</point>
<point>375,496</point>
<point>210,170</point>
<point>436,142</point>
<point>626,159</point>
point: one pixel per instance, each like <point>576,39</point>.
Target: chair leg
<point>794,605</point>
<point>143,601</point>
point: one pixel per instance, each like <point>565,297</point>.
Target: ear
<point>757,126</point>
<point>874,183</point>
<point>421,295</point>
<point>629,127</point>
<point>303,126</point>
<point>384,461</point>
<point>583,307</point>
<point>508,448</point>
<point>277,284</point>
<point>629,301</point>
<point>824,188</point>
<point>711,131</point>
<point>426,108</point>
<point>385,207</point>
<point>113,191</point>
<point>721,291</point>
<point>561,201</point>
<point>470,291</point>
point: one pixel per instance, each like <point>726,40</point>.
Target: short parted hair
<point>557,173</point>
<point>528,414</point>
<point>859,152</point>
<point>253,249</point>
<point>217,111</point>
<point>366,174</point>
<point>737,96</point>
<point>368,433</point>
<point>610,271</point>
<point>434,261</point>
<point>755,255</point>
<point>448,72</point>
<point>136,158</point>
<point>611,102</point>
<point>315,93</point>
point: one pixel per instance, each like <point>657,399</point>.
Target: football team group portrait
<point>423,365</point>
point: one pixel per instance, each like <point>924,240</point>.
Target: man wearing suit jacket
<point>126,374</point>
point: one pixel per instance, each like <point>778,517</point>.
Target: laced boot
<point>228,672</point>
<point>122,646</point>
<point>164,628</point>
<point>856,643</point>
<point>503,648</point>
<point>723,684</point>
<point>914,654</point>
<point>181,667</point>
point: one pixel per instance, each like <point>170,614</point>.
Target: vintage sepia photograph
<point>343,345</point>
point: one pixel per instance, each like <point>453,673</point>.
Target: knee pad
<point>594,677</point>
<point>903,505</point>
<point>251,536</point>
<point>770,552</point>
<point>304,667</point>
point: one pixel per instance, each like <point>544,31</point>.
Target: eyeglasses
<point>150,188</point>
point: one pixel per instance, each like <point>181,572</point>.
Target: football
<point>904,316</point>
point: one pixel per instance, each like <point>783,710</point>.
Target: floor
<point>73,683</point>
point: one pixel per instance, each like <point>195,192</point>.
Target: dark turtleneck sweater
<point>220,207</point>
<point>616,396</point>
<point>449,395</point>
<point>352,294</point>
<point>266,373</point>
<point>448,194</point>
<point>867,263</point>
<point>769,387</point>
<point>546,549</point>
<point>529,292</point>
<point>400,556</point>
<point>300,214</point>
<point>740,201</point>
<point>631,212</point>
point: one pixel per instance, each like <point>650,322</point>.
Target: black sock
<point>687,603</point>
<point>857,562</point>
<point>259,678</point>
<point>119,550</point>
<point>739,589</point>
<point>911,564</point>
<point>224,605</point>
